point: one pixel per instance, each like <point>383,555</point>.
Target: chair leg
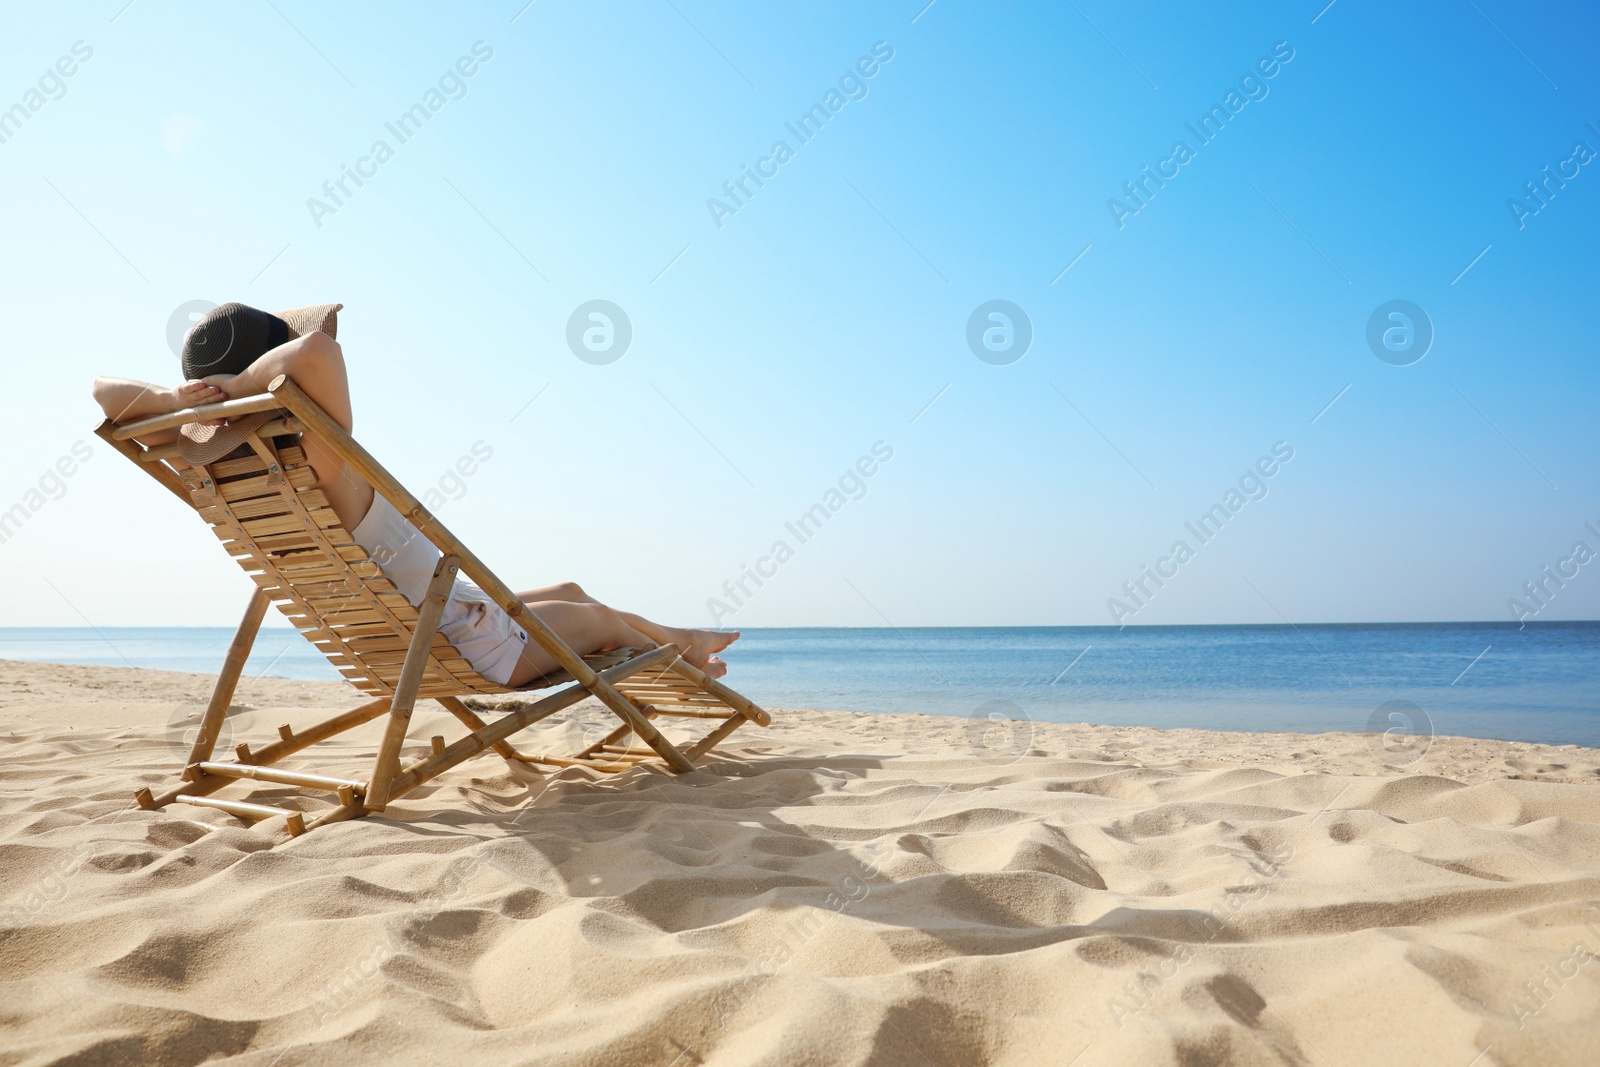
<point>405,690</point>
<point>717,736</point>
<point>632,717</point>
<point>228,679</point>
<point>613,738</point>
<point>472,722</point>
<point>272,753</point>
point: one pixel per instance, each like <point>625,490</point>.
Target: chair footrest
<point>642,753</point>
<point>297,822</point>
<point>563,761</point>
<point>282,777</point>
<point>684,712</point>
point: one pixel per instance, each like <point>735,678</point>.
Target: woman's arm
<point>316,364</point>
<point>313,360</point>
<point>125,400</point>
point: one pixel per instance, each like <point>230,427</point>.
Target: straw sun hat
<point>227,340</point>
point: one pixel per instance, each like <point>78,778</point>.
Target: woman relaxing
<point>234,351</point>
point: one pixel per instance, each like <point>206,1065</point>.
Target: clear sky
<point>968,153</point>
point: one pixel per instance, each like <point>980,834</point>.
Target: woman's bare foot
<point>715,667</point>
<point>699,648</point>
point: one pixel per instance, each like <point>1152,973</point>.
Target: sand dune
<point>841,888</point>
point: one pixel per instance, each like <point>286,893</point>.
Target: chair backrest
<point>260,502</point>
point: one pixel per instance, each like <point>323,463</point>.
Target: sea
<point>1538,683</point>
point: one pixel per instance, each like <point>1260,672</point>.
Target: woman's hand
<point>224,382</point>
<point>195,393</point>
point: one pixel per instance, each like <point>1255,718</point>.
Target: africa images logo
<point>599,332</point>
<point>999,332</point>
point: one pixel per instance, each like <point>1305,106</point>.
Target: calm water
<point>1541,683</point>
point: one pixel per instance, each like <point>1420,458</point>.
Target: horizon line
<point>985,626</point>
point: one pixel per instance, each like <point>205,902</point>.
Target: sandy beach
<point>839,889</point>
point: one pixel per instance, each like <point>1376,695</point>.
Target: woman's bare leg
<point>573,593</point>
<point>698,647</point>
<point>586,628</point>
<point>567,592</point>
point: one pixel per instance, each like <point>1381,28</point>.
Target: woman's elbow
<point>102,393</point>
<point>318,345</point>
<point>311,355</point>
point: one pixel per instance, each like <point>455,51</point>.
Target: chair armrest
<point>228,409</point>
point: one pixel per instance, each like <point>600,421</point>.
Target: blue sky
<point>772,352</point>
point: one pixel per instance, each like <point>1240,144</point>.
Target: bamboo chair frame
<point>261,502</point>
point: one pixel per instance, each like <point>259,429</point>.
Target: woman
<point>235,350</point>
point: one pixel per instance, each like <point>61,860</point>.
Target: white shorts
<point>482,632</point>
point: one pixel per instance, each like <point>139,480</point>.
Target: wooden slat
<point>343,587</point>
<point>244,509</point>
<point>386,661</point>
<point>244,489</point>
<point>346,633</point>
<point>391,676</point>
<point>324,569</point>
<point>312,554</point>
<point>160,452</point>
<point>356,616</point>
<point>228,470</point>
<point>304,570</point>
<point>328,605</point>
<point>284,522</point>
<point>271,504</point>
<point>279,543</point>
<point>337,540</point>
<point>389,643</point>
<point>394,659</point>
<point>281,428</point>
<point>338,610</point>
<point>272,524</point>
<point>455,689</point>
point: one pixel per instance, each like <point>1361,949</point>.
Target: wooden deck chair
<point>260,502</point>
